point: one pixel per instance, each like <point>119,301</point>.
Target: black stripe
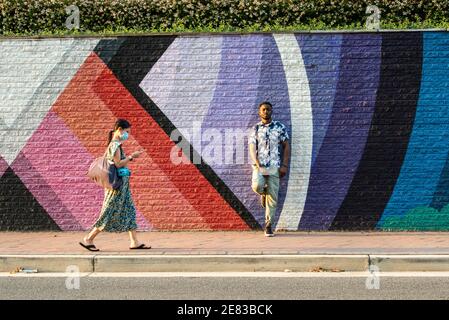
<point>389,134</point>
<point>19,210</point>
<point>131,63</point>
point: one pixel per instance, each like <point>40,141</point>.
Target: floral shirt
<point>267,138</point>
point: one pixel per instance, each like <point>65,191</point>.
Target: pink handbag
<point>104,174</point>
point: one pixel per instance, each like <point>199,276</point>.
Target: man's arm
<point>284,167</point>
<point>253,154</point>
<point>252,141</point>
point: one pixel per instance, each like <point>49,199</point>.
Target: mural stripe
<point>80,196</point>
<point>3,166</point>
<point>441,196</point>
<point>166,209</point>
<point>431,50</point>
<point>389,133</point>
<point>15,214</point>
<point>182,81</point>
<point>273,87</point>
<point>232,111</point>
<point>29,95</point>
<point>347,131</point>
<point>130,72</point>
<point>430,136</point>
<point>301,139</point>
<point>158,147</point>
<point>43,193</point>
<point>321,55</point>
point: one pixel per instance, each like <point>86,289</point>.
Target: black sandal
<point>142,246</point>
<point>89,247</point>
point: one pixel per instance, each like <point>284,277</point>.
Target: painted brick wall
<point>367,115</point>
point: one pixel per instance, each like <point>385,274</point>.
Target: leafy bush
<point>103,16</point>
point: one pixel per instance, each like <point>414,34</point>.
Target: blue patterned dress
<point>118,213</point>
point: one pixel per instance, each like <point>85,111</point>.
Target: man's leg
<point>259,186</point>
<point>258,182</point>
<point>272,201</point>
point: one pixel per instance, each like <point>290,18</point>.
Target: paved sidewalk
<point>230,243</point>
<point>227,252</point>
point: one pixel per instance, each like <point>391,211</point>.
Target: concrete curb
<point>46,263</point>
<point>392,263</point>
<point>225,263</point>
<point>231,263</point>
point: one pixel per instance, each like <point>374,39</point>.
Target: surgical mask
<point>124,136</point>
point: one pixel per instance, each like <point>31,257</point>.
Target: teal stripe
<point>429,144</point>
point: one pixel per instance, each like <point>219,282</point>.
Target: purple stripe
<point>321,56</point>
<point>273,87</point>
<point>347,132</point>
<point>234,107</point>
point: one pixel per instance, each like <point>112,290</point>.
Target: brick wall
<point>367,114</point>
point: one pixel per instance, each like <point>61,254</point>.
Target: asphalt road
<point>230,287</point>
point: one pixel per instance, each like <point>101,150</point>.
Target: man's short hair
<point>266,103</point>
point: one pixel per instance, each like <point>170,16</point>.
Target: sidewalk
<point>229,251</point>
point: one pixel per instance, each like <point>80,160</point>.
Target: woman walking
<point>118,213</point>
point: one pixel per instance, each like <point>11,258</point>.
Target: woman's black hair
<point>120,123</point>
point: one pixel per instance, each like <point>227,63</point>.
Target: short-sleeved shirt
<point>267,138</point>
<point>112,149</point>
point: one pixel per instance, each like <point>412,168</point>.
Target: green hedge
<point>49,16</point>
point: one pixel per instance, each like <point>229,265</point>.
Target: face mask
<point>124,136</point>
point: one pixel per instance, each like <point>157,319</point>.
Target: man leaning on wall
<point>265,141</point>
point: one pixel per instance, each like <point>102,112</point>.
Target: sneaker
<point>268,232</point>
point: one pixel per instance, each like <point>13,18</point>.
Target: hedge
<point>49,16</point>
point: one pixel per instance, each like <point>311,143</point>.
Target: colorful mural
<point>368,117</point>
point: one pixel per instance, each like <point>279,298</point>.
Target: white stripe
<point>28,69</point>
<point>301,129</point>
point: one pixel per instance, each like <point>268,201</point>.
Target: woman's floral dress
<point>118,213</point>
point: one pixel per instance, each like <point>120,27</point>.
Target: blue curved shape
<point>429,143</point>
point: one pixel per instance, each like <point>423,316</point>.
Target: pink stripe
<point>44,194</point>
<point>57,155</point>
<point>142,223</point>
<point>62,161</point>
<point>3,166</point>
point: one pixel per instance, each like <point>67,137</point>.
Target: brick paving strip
<point>217,242</point>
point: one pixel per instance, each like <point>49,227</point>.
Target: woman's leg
<point>133,239</point>
<point>91,236</point>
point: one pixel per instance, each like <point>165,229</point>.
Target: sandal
<point>89,247</point>
<point>142,246</point>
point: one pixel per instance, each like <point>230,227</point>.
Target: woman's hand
<point>137,154</point>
